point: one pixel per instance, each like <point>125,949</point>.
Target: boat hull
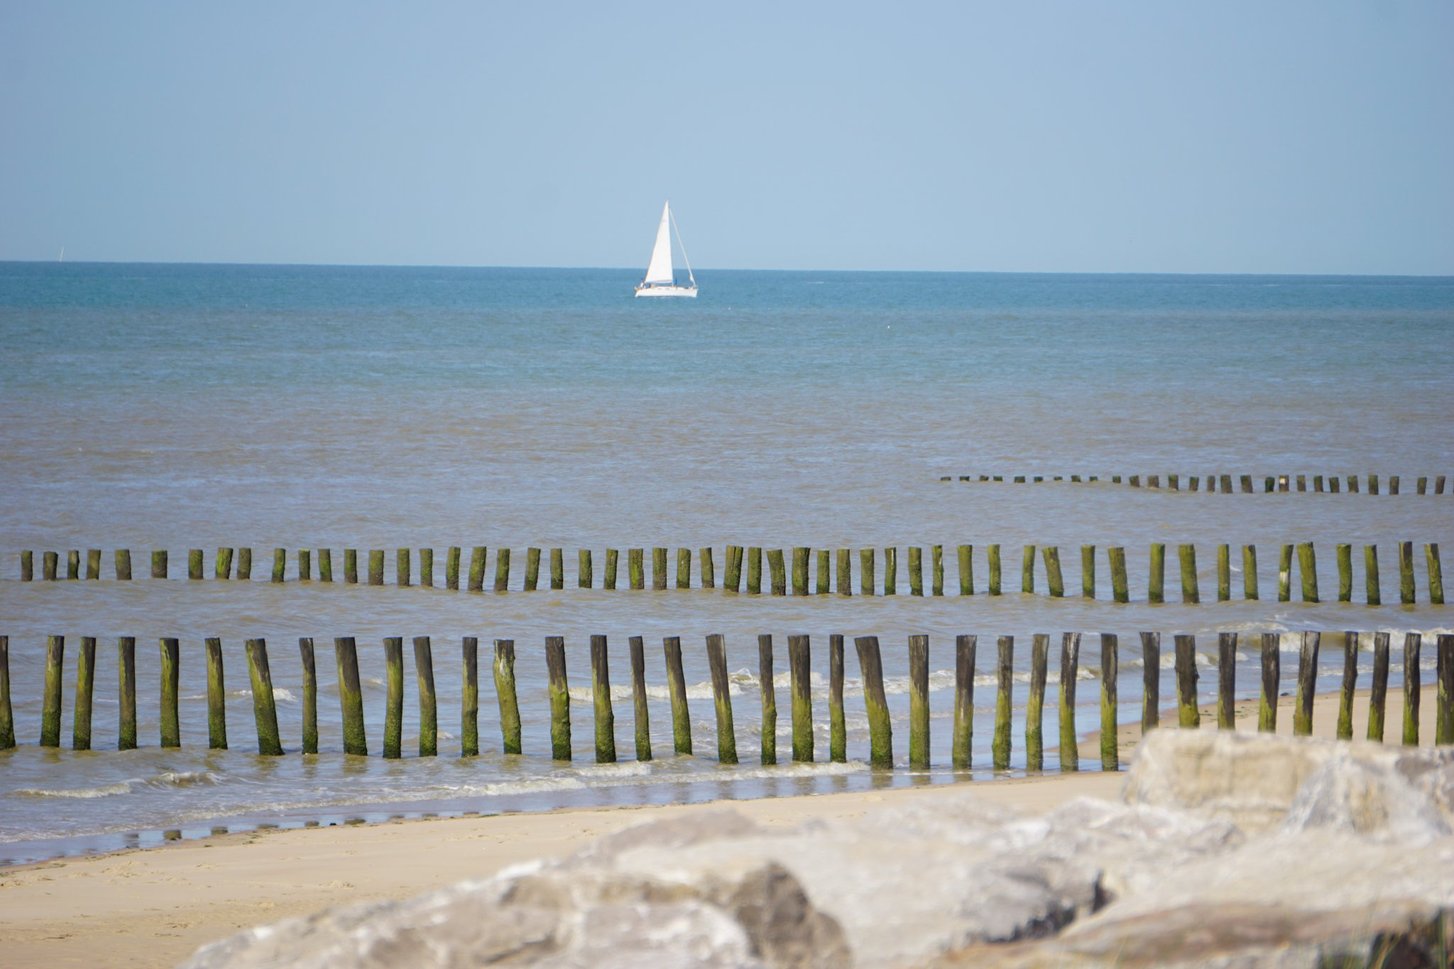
<point>688,291</point>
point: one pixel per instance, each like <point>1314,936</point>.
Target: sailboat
<point>660,276</point>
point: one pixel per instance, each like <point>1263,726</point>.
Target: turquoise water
<point>321,407</point>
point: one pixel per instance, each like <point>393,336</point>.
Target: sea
<point>187,407</point>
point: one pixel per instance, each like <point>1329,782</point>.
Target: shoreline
<point>155,906</point>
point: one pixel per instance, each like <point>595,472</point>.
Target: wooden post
<point>1284,574</point>
<point>1027,570</point>
<point>966,570</point>
<point>85,690</point>
<point>1249,572</point>
<point>159,563</point>
<point>768,693</point>
<point>684,568</point>
<point>936,557</point>
<point>1353,484</point>
<point>506,698</point>
<point>963,743</point>
<point>502,569</point>
<point>865,573</point>
<point>845,572</point>
<point>560,748</point>
<point>1069,670</point>
<point>1226,681</point>
<point>800,686</point>
<point>350,566</point>
<point>428,708</point>
<point>476,579</point>
<point>880,727</point>
<point>992,555</point>
<point>7,714</point>
<point>601,694</point>
<point>585,578</point>
<point>1246,484</point>
<point>891,570</point>
<point>1005,669</point>
<point>1188,556</point>
<point>1307,675</point>
<point>305,565</point>
<point>394,701</point>
<point>1088,571</point>
<point>1317,482</point>
<point>1302,482</point>
<point>1412,644</point>
<point>325,565</point>
<point>1393,484</point>
<point>1378,690</point>
<point>216,697</point>
<point>681,717</point>
<point>123,564</point>
<point>1150,681</point>
<point>402,567</point>
<point>1271,683</point>
<point>280,565</point>
<point>658,568</point>
<point>1444,712</point>
<point>837,721</point>
<point>532,569</point>
<point>73,564</point>
<point>800,570</point>
<point>1110,669</point>
<point>557,569</point>
<point>778,569</point>
<point>171,652</point>
<point>641,718</point>
<point>1333,484</point>
<point>194,564</point>
<point>722,697</point>
<point>310,694</point>
<point>1156,580</point>
<point>1406,572</point>
<point>613,561</point>
<point>376,566</point>
<point>1053,577</point>
<point>733,572</point>
<point>223,567</point>
<point>27,566</point>
<point>1370,575</point>
<point>825,572</point>
<point>918,701</point>
<point>1344,553</point>
<point>1439,481</point>
<point>350,696</point>
<point>1224,572</point>
<point>1035,703</point>
<point>1436,574</point>
<point>469,697</point>
<point>1116,556</point>
<point>451,568</point>
<point>426,567</point>
<point>754,570</point>
<point>707,567</point>
<point>1187,713</point>
<point>264,707</point>
<point>636,568</point>
<point>126,690</point>
<point>916,570</point>
<point>1308,566</point>
<point>1350,679</point>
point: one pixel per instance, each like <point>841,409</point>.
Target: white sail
<point>660,271</point>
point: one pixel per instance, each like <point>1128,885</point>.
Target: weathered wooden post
<point>1406,572</point>
<point>1350,679</point>
<point>825,572</point>
<point>123,564</point>
<point>560,748</point>
<point>1027,570</point>
<point>641,718</point>
<point>1308,566</point>
<point>216,697</point>
<point>1187,712</point>
<point>502,569</point>
<point>557,569</point>
<point>1053,579</point>
<point>707,567</point>
<point>426,567</point>
<point>918,703</point>
<point>1249,572</point>
<point>469,697</point>
<point>1436,574</point>
<point>159,563</point>
<point>733,572</point>
<point>584,578</point>
<point>1156,577</point>
<point>264,707</point>
<point>532,569</point>
<point>891,570</point>
<point>845,572</point>
<point>722,698</point>
<point>837,721</point>
<point>963,740</point>
<point>658,568</point>
<point>394,697</point>
<point>310,694</point>
<point>880,727</point>
<point>376,566</point>
<point>1246,484</point>
<point>1444,713</point>
<point>1150,681</point>
<point>475,582</point>
<point>506,697</point>
<point>1226,681</point>
<point>800,570</point>
<point>1378,690</point>
<point>636,567</point>
<point>402,559</point>
<point>966,569</point>
<point>684,568</point>
<point>280,565</point>
<point>1371,593</point>
<point>171,652</point>
<point>27,566</point>
<point>1004,669</point>
<point>1333,484</point>
<point>865,572</point>
<point>768,691</point>
<point>1353,484</point>
<point>601,695</point>
<point>1188,556</point>
<point>681,717</point>
<point>1088,571</point>
<point>73,564</point>
<point>1271,683</point>
<point>1069,670</point>
<point>613,559</point>
<point>1284,574</point>
<point>7,714</point>
<point>800,685</point>
<point>936,566</point>
<point>325,565</point>
<point>350,566</point>
<point>451,568</point>
<point>754,570</point>
<point>916,570</point>
<point>428,707</point>
<point>1307,675</point>
<point>194,564</point>
<point>305,565</point>
<point>126,693</point>
<point>1344,553</point>
<point>778,569</point>
<point>1116,556</point>
<point>1035,703</point>
<point>1110,670</point>
<point>85,690</point>
<point>350,696</point>
<point>1413,642</point>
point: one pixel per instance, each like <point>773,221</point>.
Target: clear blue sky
<point>1292,136</point>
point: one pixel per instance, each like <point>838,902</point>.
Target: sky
<point>1299,136</point>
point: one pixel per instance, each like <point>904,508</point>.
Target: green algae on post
<point>325,565</point>
<point>963,740</point>
<point>394,697</point>
<point>1187,713</point>
<point>532,569</point>
<point>402,558</point>
<point>777,568</point>
<point>754,570</point>
<point>584,576</point>
<point>1054,581</point>
<point>1284,574</point>
<point>918,704</point>
<point>350,696</point>
<point>1226,680</point>
<point>1436,574</point>
<point>1444,697</point>
<point>1413,642</point>
<point>733,573</point>
<point>1372,594</point>
<point>800,570</point>
<point>1406,572</point>
<point>684,568</point>
<point>264,707</point>
<point>722,698</point>
<point>865,572</point>
<point>658,568</point>
<point>476,578</point>
<point>891,571</point>
<point>171,733</point>
<point>85,689</point>
<point>837,722</point>
<point>1156,578</point>
<point>305,565</point>
<point>502,569</point>
<point>428,708</point>
<point>825,572</point>
<point>916,570</point>
<point>707,567</point>
<point>426,567</point>
<point>768,692</point>
<point>636,568</point>
<point>1005,669</point>
<point>7,715</point>
<point>845,572</point>
<point>681,716</point>
<point>1224,572</point>
<point>451,568</point>
<point>601,695</point>
<point>1350,679</point>
<point>1344,554</point>
<point>1110,670</point>
<point>1027,569</point>
<point>613,561</point>
<point>1035,703</point>
<point>27,566</point>
<point>350,566</point>
<point>1271,683</point>
<point>280,565</point>
<point>126,690</point>
<point>469,697</point>
<point>310,695</point>
<point>158,564</point>
<point>993,557</point>
<point>880,726</point>
<point>936,566</point>
<point>1088,571</point>
<point>1150,681</point>
<point>216,697</point>
<point>641,712</point>
<point>1308,568</point>
<point>1378,689</point>
<point>965,554</point>
<point>1069,670</point>
<point>194,564</point>
<point>376,565</point>
<point>1307,675</point>
<point>557,568</point>
<point>1116,556</point>
<point>560,745</point>
<point>506,697</point>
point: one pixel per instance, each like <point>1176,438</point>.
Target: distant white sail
<point>660,278</point>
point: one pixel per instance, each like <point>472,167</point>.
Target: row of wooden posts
<point>1270,483</point>
<point>778,564</point>
<point>799,665</point>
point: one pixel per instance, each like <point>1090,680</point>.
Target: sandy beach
<point>154,907</point>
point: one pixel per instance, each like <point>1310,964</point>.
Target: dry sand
<point>153,907</point>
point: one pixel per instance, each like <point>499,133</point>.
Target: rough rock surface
<point>1229,850</point>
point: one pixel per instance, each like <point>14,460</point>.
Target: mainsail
<point>660,271</point>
